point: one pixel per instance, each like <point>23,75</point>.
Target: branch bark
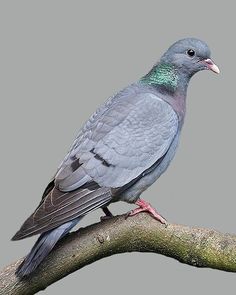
<point>194,246</point>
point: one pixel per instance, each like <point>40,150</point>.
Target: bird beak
<point>211,66</point>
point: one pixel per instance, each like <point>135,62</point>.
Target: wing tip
<point>18,236</point>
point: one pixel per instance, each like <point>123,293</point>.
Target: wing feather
<point>113,157</point>
<point>52,213</point>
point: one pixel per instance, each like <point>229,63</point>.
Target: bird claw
<point>146,207</point>
<point>108,214</point>
<point>103,218</point>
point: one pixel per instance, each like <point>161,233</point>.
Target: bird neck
<point>166,78</point>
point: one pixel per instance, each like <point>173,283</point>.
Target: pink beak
<point>211,66</point>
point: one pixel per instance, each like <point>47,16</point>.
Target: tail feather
<point>57,213</point>
<point>42,248</point>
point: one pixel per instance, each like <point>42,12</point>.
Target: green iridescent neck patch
<point>162,75</point>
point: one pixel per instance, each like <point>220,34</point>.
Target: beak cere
<point>211,66</point>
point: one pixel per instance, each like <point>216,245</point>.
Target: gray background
<point>59,61</point>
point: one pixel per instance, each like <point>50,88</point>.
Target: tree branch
<point>194,246</point>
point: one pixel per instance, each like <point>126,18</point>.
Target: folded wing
<point>122,140</point>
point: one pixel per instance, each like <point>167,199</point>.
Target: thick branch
<point>194,246</point>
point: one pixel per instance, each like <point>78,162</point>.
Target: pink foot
<point>146,207</point>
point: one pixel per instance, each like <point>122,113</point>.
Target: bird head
<point>190,56</point>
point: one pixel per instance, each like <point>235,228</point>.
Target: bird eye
<point>191,52</point>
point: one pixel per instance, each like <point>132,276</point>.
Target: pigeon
<point>120,151</point>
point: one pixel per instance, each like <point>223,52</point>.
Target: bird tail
<point>42,247</point>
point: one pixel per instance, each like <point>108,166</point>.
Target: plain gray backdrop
<point>59,61</point>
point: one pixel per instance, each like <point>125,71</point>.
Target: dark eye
<point>191,52</point>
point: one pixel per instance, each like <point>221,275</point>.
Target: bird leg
<point>144,206</point>
<point>107,212</point>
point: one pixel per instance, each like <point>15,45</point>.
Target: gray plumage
<point>120,151</point>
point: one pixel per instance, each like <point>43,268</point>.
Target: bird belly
<point>133,192</point>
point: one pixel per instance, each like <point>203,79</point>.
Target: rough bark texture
<point>194,246</point>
